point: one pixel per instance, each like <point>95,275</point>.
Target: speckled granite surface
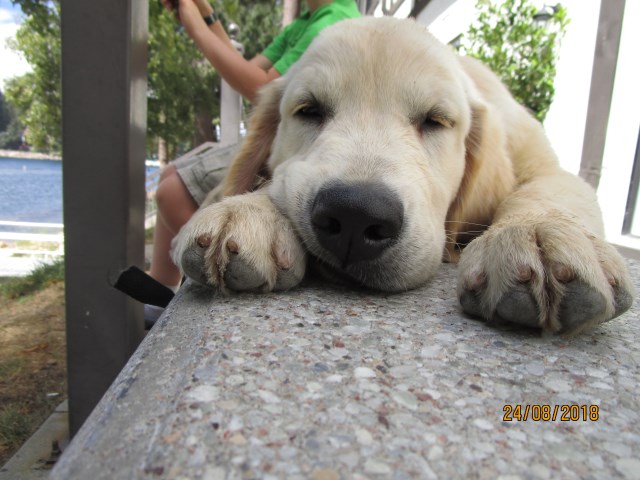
<point>326,384</point>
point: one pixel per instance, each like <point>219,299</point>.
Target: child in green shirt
<point>247,76</point>
<point>183,187</point>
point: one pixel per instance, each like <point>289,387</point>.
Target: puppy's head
<point>365,140</point>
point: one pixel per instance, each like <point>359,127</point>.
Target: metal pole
<point>634,188</point>
<point>104,53</point>
<point>602,78</point>
<point>230,101</point>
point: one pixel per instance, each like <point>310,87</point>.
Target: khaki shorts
<point>203,168</point>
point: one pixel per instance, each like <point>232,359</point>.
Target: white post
<point>230,102</point>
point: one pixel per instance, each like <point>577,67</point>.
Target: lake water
<point>31,190</point>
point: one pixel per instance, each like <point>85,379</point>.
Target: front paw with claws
<point>549,273</point>
<point>241,243</point>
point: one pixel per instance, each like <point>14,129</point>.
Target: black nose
<point>356,222</point>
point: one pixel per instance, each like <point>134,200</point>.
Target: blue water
<point>31,190</point>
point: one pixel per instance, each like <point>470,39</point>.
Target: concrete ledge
<point>325,383</point>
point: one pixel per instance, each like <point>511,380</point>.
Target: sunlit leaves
<point>521,50</point>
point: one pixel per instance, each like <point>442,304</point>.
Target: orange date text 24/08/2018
<point>546,413</point>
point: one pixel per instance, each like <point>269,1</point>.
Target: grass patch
<point>11,367</point>
<point>40,246</point>
<point>41,277</point>
<point>23,412</point>
<point>24,404</point>
<point>32,354</point>
<point>15,426</point>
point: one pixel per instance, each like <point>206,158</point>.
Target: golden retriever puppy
<point>384,152</point>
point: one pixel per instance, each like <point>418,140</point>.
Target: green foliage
<point>5,113</point>
<point>180,82</point>
<point>33,8</point>
<point>520,50</point>
<point>183,86</point>
<point>11,138</point>
<point>41,277</point>
<point>259,22</point>
<point>10,128</point>
<point>15,425</point>
<point>35,96</point>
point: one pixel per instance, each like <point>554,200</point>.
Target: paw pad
<point>475,281</point>
<point>232,246</point>
<point>524,273</point>
<point>204,241</point>
<point>283,260</point>
<point>563,273</point>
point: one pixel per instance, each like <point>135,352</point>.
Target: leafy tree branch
<point>521,50</point>
<point>183,89</point>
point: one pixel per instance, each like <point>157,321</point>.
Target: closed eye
<point>438,121</point>
<point>434,120</point>
<point>311,111</point>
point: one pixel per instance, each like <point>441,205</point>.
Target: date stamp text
<point>550,413</point>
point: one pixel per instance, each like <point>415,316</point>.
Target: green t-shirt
<point>291,43</point>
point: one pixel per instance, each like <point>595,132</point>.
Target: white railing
<point>56,237</point>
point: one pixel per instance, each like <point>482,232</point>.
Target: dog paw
<point>241,243</point>
<point>549,273</point>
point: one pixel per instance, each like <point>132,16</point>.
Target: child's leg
<point>162,267</point>
<point>175,208</point>
<point>175,203</point>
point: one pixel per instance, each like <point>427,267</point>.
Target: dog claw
<point>232,246</point>
<point>476,281</point>
<point>524,274</point>
<point>283,261</point>
<point>563,273</point>
<point>204,241</point>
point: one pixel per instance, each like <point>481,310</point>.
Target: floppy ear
<point>487,180</point>
<point>249,168</point>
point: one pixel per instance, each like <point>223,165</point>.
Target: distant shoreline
<point>29,155</point>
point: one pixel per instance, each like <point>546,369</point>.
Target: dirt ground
<point>32,364</point>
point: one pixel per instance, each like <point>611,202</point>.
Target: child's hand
<point>171,5</point>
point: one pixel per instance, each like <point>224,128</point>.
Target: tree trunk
<point>204,128</point>
<point>162,151</point>
<point>290,10</point>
